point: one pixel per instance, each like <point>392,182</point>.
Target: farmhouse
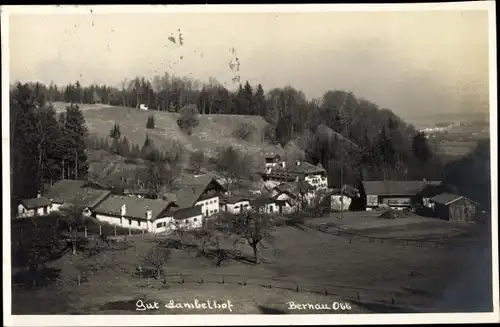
<point>201,191</point>
<point>454,208</point>
<point>38,206</point>
<point>395,194</point>
<point>264,205</point>
<point>297,171</point>
<point>189,218</point>
<point>135,213</point>
<point>294,192</point>
<point>75,193</point>
<point>234,204</point>
<point>271,161</point>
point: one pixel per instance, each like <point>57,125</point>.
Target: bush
<point>270,134</point>
<point>189,119</point>
<point>244,131</point>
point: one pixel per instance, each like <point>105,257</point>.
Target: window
<point>159,225</point>
<point>195,219</point>
<point>211,211</point>
<point>185,221</point>
<point>130,222</point>
<point>215,210</point>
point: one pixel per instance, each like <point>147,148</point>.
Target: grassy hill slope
<point>212,131</point>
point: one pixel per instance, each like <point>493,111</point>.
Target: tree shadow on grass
<point>222,255</point>
<point>383,308</point>
<point>270,311</point>
<point>415,291</point>
<point>44,276</point>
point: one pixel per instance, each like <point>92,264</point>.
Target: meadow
<point>301,265</point>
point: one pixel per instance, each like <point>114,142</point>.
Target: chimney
<point>149,214</point>
<point>123,210</point>
<point>283,164</point>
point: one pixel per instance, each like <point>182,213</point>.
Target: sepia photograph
<point>259,164</point>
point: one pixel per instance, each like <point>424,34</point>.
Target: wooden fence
<point>352,236</point>
<point>357,294</point>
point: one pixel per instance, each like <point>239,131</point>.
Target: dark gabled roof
<point>74,192</point>
<point>190,189</point>
<point>261,201</point>
<point>302,168</point>
<point>36,203</point>
<point>282,202</point>
<point>290,194</point>
<point>135,207</point>
<point>235,199</point>
<point>185,213</point>
<point>448,198</point>
<point>396,187</point>
<point>294,187</point>
<point>272,156</point>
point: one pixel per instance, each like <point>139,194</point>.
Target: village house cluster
<point>288,187</point>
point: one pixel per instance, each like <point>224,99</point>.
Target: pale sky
<point>409,62</point>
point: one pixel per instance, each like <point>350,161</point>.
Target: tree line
<point>45,147</point>
<point>348,135</point>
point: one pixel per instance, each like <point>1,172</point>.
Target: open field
<point>301,259</point>
<point>212,131</point>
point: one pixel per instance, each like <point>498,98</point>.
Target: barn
<point>395,194</point>
<point>454,208</point>
<point>34,207</point>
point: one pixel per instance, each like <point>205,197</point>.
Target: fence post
<point>85,230</point>
<point>392,299</point>
<point>297,288</point>
<point>129,231</point>
<point>222,279</point>
<point>358,296</point>
<point>326,292</point>
<point>201,281</point>
<point>100,229</point>
<point>115,230</point>
<point>245,282</point>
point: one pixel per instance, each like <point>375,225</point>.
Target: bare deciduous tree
<point>233,165</point>
<point>253,228</point>
<point>157,257</point>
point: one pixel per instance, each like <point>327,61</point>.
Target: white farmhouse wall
<point>317,181</point>
<point>55,206</point>
<point>23,212</point>
<point>125,222</point>
<point>108,219</point>
<point>161,225</point>
<point>189,223</point>
<point>237,207</point>
<point>268,208</point>
<point>337,205</point>
<point>209,206</point>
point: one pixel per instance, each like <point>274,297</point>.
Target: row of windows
<point>164,224</point>
<point>208,202</point>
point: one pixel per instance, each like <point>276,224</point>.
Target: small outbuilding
<point>454,208</point>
